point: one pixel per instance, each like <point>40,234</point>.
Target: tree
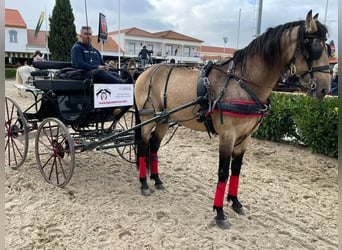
<point>62,33</point>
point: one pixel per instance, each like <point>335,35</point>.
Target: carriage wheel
<point>16,135</point>
<point>128,149</point>
<point>55,152</point>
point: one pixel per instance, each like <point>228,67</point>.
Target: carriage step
<point>147,112</point>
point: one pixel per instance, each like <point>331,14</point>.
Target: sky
<point>208,20</point>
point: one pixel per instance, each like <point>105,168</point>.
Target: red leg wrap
<point>142,166</point>
<point>154,163</point>
<point>233,185</point>
<point>219,195</point>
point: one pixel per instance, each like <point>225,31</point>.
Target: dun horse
<point>228,98</point>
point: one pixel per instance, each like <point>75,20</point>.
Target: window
<point>149,47</point>
<point>168,50</point>
<point>186,51</point>
<point>131,48</point>
<point>13,36</point>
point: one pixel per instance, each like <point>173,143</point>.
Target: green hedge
<point>303,119</point>
<point>10,72</point>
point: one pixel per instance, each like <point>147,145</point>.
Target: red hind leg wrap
<point>142,166</point>
<point>154,163</point>
<point>233,185</point>
<point>219,195</point>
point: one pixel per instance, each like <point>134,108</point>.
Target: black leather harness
<point>241,108</point>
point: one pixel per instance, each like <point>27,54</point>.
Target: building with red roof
<point>21,43</point>
<point>14,19</point>
<point>212,53</point>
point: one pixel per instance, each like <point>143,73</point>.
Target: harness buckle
<point>265,108</point>
<point>312,84</point>
<point>206,82</point>
<point>293,69</point>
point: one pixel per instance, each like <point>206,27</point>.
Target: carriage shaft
<point>159,116</point>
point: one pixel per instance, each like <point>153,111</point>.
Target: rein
<point>238,78</point>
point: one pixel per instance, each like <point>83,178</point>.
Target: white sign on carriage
<point>113,95</point>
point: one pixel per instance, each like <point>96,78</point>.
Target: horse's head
<point>310,62</point>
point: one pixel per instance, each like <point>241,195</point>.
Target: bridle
<point>314,49</point>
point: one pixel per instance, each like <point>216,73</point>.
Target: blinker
<point>314,49</point>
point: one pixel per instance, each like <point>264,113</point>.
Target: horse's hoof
<point>237,206</point>
<point>146,192</point>
<point>159,186</point>
<point>222,223</point>
<point>239,210</point>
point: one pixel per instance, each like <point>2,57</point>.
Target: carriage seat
<point>62,86</point>
<point>47,69</point>
<point>51,65</point>
<point>40,73</point>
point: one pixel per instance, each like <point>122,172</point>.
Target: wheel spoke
<point>62,169</point>
<point>15,150</point>
<point>47,161</point>
<point>51,169</point>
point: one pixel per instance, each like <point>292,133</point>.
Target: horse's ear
<point>310,23</point>
<point>316,17</point>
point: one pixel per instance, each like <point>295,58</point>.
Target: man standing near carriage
<point>85,56</point>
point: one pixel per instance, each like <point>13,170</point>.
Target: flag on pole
<point>39,24</point>
<point>102,28</point>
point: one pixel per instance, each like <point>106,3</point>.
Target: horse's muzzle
<point>317,91</point>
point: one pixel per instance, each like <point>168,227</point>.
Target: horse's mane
<point>268,45</point>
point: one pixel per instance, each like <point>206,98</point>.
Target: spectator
<point>144,54</point>
<point>112,65</point>
<point>176,51</point>
<point>334,81</point>
<point>85,56</point>
<point>38,56</point>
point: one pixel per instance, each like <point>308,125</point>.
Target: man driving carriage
<point>85,56</point>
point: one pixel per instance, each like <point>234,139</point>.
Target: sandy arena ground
<point>289,194</point>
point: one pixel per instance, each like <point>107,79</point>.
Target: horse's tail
<point>140,151</point>
<point>137,133</point>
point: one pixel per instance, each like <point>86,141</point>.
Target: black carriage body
<point>71,101</point>
<point>61,104</point>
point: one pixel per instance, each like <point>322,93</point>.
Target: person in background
<point>85,56</point>
<point>144,54</point>
<point>112,65</point>
<point>334,81</point>
<point>176,51</point>
<point>38,56</point>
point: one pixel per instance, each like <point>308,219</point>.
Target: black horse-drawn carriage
<point>67,122</point>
